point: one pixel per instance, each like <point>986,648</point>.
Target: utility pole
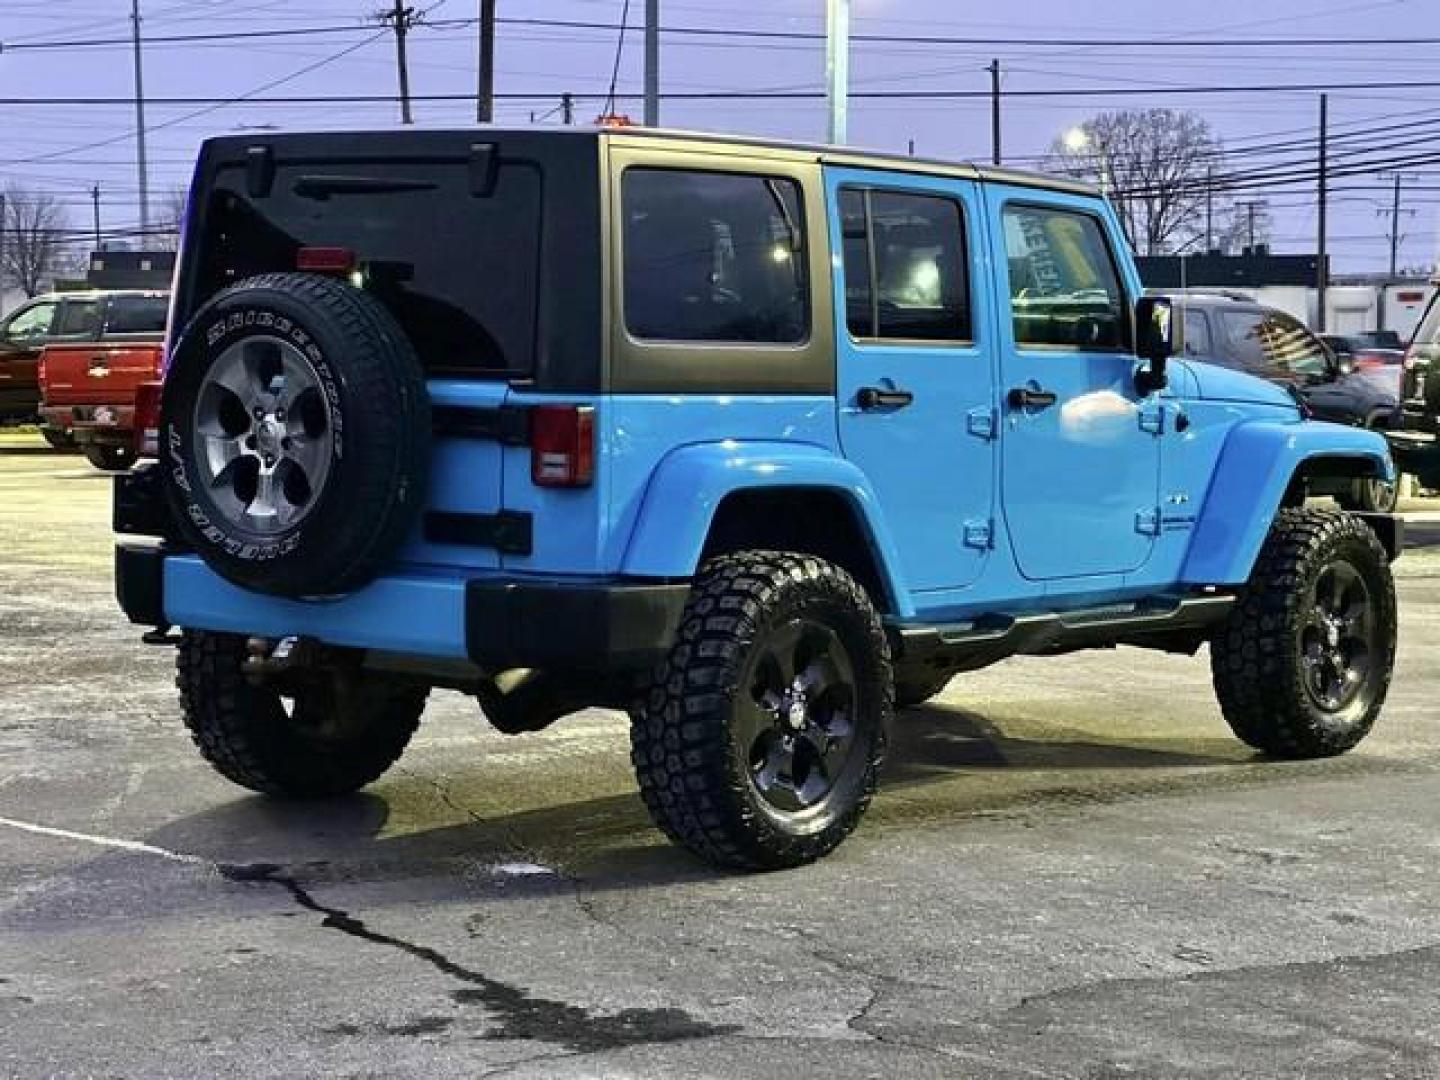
<point>485,92</point>
<point>1209,210</point>
<point>1322,276</point>
<point>567,108</point>
<point>95,198</point>
<point>1395,229</point>
<point>837,68</point>
<point>652,63</point>
<point>994,70</point>
<point>1250,213</point>
<point>401,18</point>
<point>4,221</point>
<point>140,163</point>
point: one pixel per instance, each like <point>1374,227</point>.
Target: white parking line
<point>106,841</point>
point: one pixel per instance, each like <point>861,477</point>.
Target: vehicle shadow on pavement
<point>933,741</point>
<point>608,842</point>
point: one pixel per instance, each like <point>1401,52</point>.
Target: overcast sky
<point>50,147</point>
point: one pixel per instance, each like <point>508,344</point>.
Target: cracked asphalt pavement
<point>1072,870</point>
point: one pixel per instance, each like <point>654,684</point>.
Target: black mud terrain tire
<point>361,421</point>
<point>318,740</point>
<point>1303,662</point>
<point>110,458</point>
<point>759,742</point>
<point>919,686</point>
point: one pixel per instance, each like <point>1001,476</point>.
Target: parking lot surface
<point>1073,870</point>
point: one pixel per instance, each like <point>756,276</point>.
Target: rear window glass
<point>136,315</point>
<point>714,257</point>
<point>79,319</point>
<point>459,271</point>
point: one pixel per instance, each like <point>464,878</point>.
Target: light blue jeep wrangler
<point>756,441</point>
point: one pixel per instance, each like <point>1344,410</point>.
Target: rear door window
<point>136,315</point>
<point>79,320</point>
<point>460,272</point>
<point>714,257</point>
<point>905,266</point>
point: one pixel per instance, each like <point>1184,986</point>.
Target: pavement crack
<point>517,1015</point>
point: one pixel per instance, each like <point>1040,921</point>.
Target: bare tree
<point>168,217</point>
<point>1246,223</point>
<point>35,238</point>
<point>1153,164</point>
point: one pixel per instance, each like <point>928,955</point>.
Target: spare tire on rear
<point>295,434</point>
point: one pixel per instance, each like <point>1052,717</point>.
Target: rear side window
<point>1197,334</point>
<point>905,263</point>
<point>79,319</point>
<point>136,315</point>
<point>717,257</point>
<point>1065,290</point>
<point>1274,344</point>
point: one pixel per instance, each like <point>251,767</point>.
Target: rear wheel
<point>1302,665</point>
<point>110,458</point>
<point>58,438</point>
<point>324,734</point>
<point>760,740</point>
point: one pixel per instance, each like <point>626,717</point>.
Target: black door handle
<point>1022,397</point>
<point>876,397</point>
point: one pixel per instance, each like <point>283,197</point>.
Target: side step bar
<point>1172,624</point>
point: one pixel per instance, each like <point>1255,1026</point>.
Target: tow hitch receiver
<point>266,659</point>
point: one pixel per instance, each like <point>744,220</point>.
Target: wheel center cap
<point>268,434</point>
<point>796,714</point>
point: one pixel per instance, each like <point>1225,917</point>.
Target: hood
<point>1222,384</point>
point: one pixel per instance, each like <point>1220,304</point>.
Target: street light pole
<point>485,100</point>
<point>994,69</point>
<point>1322,276</point>
<point>837,67</point>
<point>140,162</point>
<point>652,63</point>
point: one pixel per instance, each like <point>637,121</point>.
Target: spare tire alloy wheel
<point>265,435</point>
<point>296,435</point>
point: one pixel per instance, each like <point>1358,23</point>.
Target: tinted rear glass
<point>136,315</point>
<point>458,271</point>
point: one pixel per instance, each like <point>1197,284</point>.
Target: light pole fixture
<point>837,67</point>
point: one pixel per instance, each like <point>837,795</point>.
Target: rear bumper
<point>495,623</point>
<point>101,425</point>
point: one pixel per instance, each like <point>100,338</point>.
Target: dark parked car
<point>1238,333</point>
<point>1372,349</point>
<point>1417,446</point>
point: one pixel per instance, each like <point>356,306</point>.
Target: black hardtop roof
<point>423,138</point>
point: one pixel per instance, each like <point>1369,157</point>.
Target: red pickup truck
<point>88,388</point>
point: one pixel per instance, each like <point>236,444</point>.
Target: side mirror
<point>1154,342</point>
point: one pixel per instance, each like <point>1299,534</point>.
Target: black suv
<point>1234,331</point>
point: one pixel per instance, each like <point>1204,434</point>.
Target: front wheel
<point>759,742</point>
<point>1303,662</point>
<point>324,734</point>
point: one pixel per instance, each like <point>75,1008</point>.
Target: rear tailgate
<point>86,374</point>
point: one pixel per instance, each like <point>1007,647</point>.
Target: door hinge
<point>981,423</point>
<point>1147,522</point>
<point>1152,419</point>
<point>980,534</point>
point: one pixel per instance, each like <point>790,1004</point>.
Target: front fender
<point>689,484</point>
<point>1258,461</point>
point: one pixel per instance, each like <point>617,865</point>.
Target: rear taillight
<point>1410,358</point>
<point>147,419</point>
<point>41,375</point>
<point>562,445</point>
